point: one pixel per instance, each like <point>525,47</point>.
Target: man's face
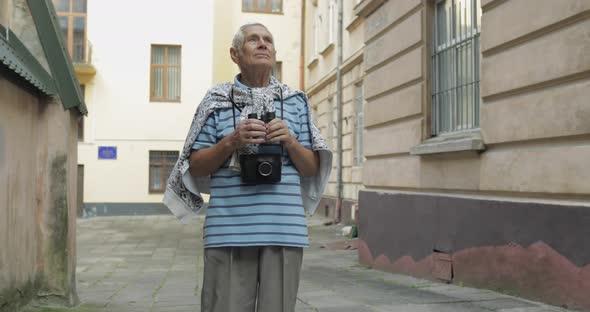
<point>258,50</point>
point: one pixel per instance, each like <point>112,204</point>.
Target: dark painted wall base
<point>123,209</point>
<point>327,208</point>
<point>533,250</point>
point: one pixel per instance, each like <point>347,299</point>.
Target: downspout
<point>302,52</point>
<point>339,185</point>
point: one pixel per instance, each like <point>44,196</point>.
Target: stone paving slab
<point>153,264</point>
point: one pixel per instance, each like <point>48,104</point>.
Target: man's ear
<point>234,54</point>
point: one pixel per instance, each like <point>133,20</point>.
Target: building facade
<point>476,132</point>
<point>281,17</point>
<point>334,111</point>
<point>143,80</point>
<point>40,105</point>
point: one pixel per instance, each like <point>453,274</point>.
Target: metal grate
<point>455,66</point>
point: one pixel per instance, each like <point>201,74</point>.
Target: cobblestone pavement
<point>153,264</point>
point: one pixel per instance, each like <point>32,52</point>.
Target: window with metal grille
<point>262,6</point>
<point>455,66</point>
<point>165,73</point>
<point>71,16</point>
<point>161,164</point>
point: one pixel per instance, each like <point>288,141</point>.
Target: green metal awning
<point>57,55</point>
<point>17,58</point>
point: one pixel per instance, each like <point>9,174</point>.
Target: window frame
<point>332,12</point>
<point>267,10</point>
<point>163,166</point>
<point>165,98</point>
<point>457,115</point>
<point>70,36</point>
<point>317,21</point>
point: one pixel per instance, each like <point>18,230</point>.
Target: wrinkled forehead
<point>256,30</point>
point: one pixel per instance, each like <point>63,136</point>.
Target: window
<point>331,21</point>
<point>161,164</point>
<point>81,118</point>
<point>455,66</point>
<point>262,6</point>
<point>165,73</point>
<point>277,71</point>
<point>71,16</point>
<point>317,21</point>
<point>359,124</point>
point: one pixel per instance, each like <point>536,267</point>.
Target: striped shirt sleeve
<point>208,135</point>
<point>304,135</point>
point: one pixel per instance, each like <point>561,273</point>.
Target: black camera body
<point>265,166</point>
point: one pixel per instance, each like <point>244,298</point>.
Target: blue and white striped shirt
<point>255,215</point>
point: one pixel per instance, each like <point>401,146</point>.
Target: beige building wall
<point>534,111</point>
<point>20,246</point>
<point>121,113</point>
<point>395,88</point>
<point>321,87</point>
<point>535,91</point>
<point>38,159</point>
<point>38,247</point>
<point>498,201</point>
<point>285,27</point>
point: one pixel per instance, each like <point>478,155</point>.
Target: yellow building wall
<point>286,30</point>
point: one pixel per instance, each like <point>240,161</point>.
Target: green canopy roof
<point>16,57</point>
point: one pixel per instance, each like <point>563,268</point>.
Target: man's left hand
<point>278,131</point>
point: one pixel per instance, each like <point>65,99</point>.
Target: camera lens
<point>265,168</point>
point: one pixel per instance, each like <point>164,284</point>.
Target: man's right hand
<point>249,131</point>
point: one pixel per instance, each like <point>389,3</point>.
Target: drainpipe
<point>339,186</point>
<point>302,52</point>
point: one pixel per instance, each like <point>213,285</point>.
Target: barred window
<point>161,165</point>
<point>455,66</point>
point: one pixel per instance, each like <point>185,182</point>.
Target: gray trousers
<point>249,279</point>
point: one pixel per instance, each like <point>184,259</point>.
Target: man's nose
<point>262,44</point>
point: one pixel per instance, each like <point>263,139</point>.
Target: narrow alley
<point>153,263</point>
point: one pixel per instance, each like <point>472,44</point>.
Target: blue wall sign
<point>107,152</point>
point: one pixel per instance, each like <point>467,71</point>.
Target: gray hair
<point>238,41</point>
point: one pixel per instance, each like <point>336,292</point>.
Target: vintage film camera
<point>264,167</point>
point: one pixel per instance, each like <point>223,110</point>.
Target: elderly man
<point>255,227</point>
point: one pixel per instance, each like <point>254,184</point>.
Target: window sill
<point>327,49</point>
<point>263,12</point>
<point>356,21</point>
<point>155,100</point>
<point>314,61</point>
<point>470,140</point>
